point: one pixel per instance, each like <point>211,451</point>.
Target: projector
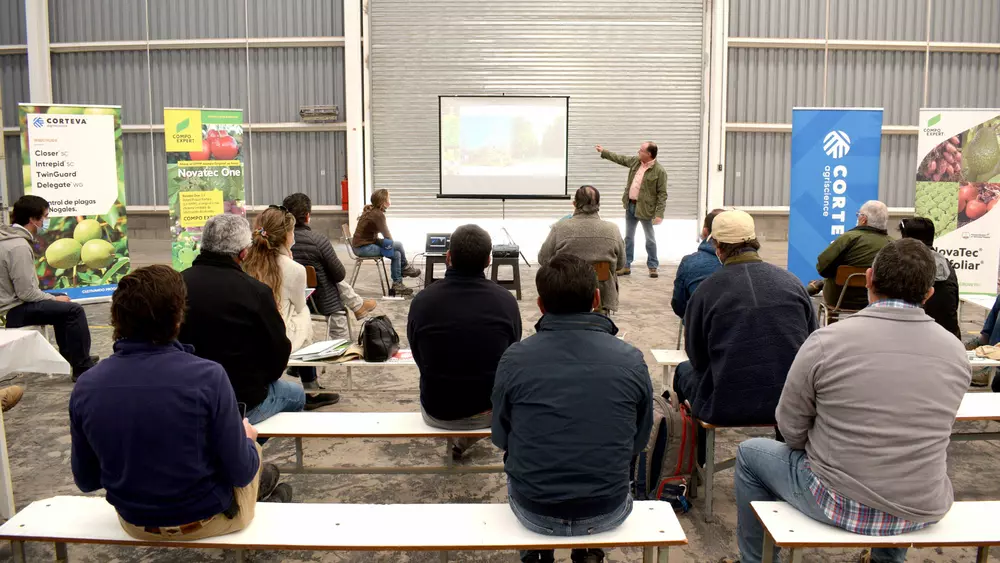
<point>505,251</point>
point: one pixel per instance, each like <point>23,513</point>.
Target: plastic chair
<point>847,277</point>
<point>383,278</point>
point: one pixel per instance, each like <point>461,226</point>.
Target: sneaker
<point>91,362</point>
<point>10,396</point>
<point>281,493</point>
<point>366,307</point>
<point>456,453</point>
<point>653,273</point>
<point>626,271</point>
<point>411,272</point>
<point>318,400</point>
<point>312,385</point>
<point>269,476</point>
<point>401,289</point>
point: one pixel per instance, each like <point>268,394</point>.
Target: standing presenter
<point>645,199</point>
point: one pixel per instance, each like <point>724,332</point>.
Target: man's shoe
<point>91,362</point>
<point>626,271</point>
<point>411,272</point>
<point>401,289</point>
<point>539,557</point>
<point>653,273</point>
<point>318,400</point>
<point>367,307</point>
<point>269,476</point>
<point>972,343</point>
<point>282,493</point>
<point>312,385</point>
<point>10,396</point>
<point>587,556</point>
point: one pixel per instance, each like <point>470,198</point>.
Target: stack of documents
<point>322,350</point>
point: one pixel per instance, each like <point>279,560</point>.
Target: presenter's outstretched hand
<point>599,148</point>
<point>657,220</point>
<point>251,432</point>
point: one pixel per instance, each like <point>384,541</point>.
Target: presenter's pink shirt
<point>633,190</point>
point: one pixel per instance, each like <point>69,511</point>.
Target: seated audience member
<point>366,241</point>
<point>943,305</point>
<point>990,336</point>
<point>159,428</point>
<point>596,241</point>
<point>231,319</point>
<point>458,328</point>
<point>23,303</point>
<point>742,329</point>
<point>332,291</point>
<point>695,267</point>
<point>269,261</point>
<point>853,455</point>
<point>572,406</point>
<point>857,248</point>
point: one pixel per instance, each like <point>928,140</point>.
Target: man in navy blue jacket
<point>572,405</point>
<point>695,267</point>
<point>159,428</point>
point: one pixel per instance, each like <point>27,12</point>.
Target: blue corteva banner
<point>835,158</point>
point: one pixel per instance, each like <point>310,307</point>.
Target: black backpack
<point>378,340</point>
<point>661,470</point>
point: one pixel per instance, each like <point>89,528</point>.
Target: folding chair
<point>847,276</point>
<point>314,310</point>
<point>383,278</point>
<point>603,270</point>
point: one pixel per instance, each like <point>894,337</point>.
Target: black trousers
<point>68,321</point>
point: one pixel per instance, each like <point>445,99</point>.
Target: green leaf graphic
<point>183,124</point>
<point>930,122</point>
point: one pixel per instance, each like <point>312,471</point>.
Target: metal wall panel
<point>14,172</point>
<point>107,78</point>
<point>311,163</point>
<point>765,84</point>
<point>309,18</point>
<point>14,86</point>
<point>758,168</point>
<point>200,19</point>
<point>12,25</point>
<point>897,169</point>
<point>631,75</point>
<point>965,21</point>
<point>893,80</point>
<point>881,20</point>
<point>215,78</point>
<point>285,79</point>
<point>140,183</point>
<point>964,80</point>
<point>97,20</point>
<point>803,19</point>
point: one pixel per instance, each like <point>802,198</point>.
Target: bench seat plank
<point>669,357</point>
<point>979,406</point>
<point>346,527</point>
<point>358,425</point>
<point>966,524</point>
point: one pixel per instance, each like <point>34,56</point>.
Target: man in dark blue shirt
<point>695,267</point>
<point>159,428</point>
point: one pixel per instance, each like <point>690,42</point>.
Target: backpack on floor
<point>661,470</point>
<point>378,339</point>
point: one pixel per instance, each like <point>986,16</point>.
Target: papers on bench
<point>322,350</point>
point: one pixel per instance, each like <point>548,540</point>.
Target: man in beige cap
<point>742,330</point>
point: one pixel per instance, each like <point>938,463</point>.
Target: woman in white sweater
<point>270,262</point>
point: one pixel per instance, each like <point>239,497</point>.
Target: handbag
<point>378,339</point>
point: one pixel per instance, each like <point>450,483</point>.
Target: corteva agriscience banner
<point>835,160</point>
<point>72,157</point>
<point>204,173</point>
<point>958,184</point>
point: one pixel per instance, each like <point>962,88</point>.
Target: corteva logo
<point>38,122</point>
<point>183,124</point>
<point>837,144</point>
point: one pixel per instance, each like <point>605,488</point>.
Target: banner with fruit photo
<point>958,186</point>
<point>72,156</point>
<point>204,173</point>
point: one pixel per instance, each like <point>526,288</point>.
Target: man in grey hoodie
<point>866,413</point>
<point>23,303</point>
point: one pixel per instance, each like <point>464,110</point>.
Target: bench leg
<point>239,556</point>
<point>983,554</point>
<point>649,554</point>
<point>664,554</point>
<point>349,381</point>
<point>17,548</point>
<point>709,475</point>
<point>298,453</point>
<point>767,553</point>
<point>449,462</point>
<point>61,555</point>
<point>795,555</point>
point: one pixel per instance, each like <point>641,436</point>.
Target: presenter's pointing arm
<point>619,159</point>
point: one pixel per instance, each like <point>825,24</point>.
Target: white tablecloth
<point>23,350</point>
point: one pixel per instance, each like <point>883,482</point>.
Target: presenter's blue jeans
<point>282,396</point>
<point>631,220</point>
<point>398,257</point>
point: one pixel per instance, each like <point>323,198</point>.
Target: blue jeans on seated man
<point>549,526</point>
<point>69,323</point>
<point>398,257</point>
<point>631,220</point>
<point>767,470</point>
<point>282,396</point>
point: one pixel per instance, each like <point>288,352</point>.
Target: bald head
<point>587,200</point>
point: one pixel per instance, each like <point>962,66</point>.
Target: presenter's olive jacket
<point>652,200</point>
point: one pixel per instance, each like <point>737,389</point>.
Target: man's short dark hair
<point>566,285</point>
<point>470,249</point>
<point>298,205</point>
<point>730,249</point>
<point>709,219</point>
<point>904,269</point>
<point>26,208</point>
<point>651,148</point>
<point>587,200</point>
<point>919,228</point>
<point>149,304</point>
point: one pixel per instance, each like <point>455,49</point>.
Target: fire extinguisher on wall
<point>343,193</point>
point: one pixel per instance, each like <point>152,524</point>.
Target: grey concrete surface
<point>39,442</point>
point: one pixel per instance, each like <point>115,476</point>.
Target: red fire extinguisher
<point>343,193</point>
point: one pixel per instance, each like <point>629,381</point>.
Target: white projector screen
<point>506,147</point>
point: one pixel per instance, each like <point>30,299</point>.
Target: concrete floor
<point>39,442</point>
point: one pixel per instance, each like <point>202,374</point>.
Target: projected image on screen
<point>503,146</point>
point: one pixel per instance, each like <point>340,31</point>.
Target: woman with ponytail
<point>269,261</point>
<point>366,242</point>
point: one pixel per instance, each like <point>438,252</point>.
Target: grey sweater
<point>18,282</point>
<point>589,237</point>
<point>872,400</point>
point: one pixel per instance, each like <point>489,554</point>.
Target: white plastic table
<point>669,359</point>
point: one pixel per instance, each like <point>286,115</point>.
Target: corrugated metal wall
<point>269,84</point>
<point>632,73</point>
<point>765,83</point>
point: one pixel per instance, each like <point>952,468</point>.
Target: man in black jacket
<point>943,304</point>
<point>332,292</point>
<point>572,405</point>
<point>458,328</point>
<point>232,320</point>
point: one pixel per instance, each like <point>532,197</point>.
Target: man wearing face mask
<point>23,303</point>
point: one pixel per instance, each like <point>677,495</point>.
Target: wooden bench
<point>967,524</point>
<point>668,360</point>
<point>405,359</point>
<point>299,425</point>
<point>345,527</point>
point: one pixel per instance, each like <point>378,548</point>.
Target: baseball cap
<point>733,227</point>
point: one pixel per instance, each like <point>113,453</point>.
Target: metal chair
<point>314,310</point>
<point>603,270</point>
<point>847,277</point>
<point>383,278</point>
